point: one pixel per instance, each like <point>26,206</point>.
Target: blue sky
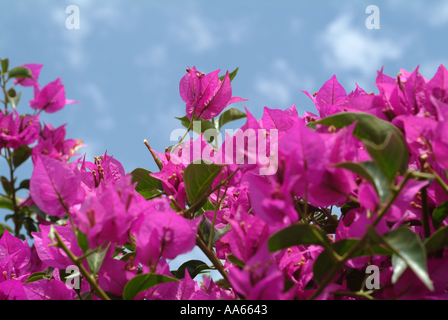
<point>125,62</point>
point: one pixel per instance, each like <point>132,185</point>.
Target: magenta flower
<point>14,257</point>
<point>104,171</point>
<point>164,234</point>
<point>329,96</point>
<point>206,95</point>
<point>51,98</point>
<point>52,143</point>
<point>51,255</point>
<point>108,218</point>
<point>12,290</point>
<point>35,71</point>
<point>260,279</point>
<point>18,130</point>
<point>48,290</point>
<point>55,186</point>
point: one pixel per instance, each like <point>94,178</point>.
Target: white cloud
<point>438,15</point>
<point>347,48</point>
<point>281,83</point>
<point>105,121</point>
<point>195,33</point>
<point>155,56</point>
<point>274,90</point>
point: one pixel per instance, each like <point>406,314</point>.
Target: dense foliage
<point>261,204</point>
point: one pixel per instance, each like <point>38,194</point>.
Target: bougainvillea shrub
<point>348,203</point>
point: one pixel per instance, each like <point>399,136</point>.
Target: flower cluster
<point>380,158</point>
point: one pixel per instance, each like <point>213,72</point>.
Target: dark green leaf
<point>391,153</point>
<point>7,186</point>
<point>14,101</point>
<point>29,224</point>
<point>5,202</point>
<point>12,93</point>
<point>194,267</point>
<point>324,261</point>
<point>20,72</point>
<point>144,282</point>
<point>42,214</point>
<point>408,246</point>
<point>201,126</point>
<point>147,186</point>
<point>349,206</point>
<point>95,260</point>
<point>231,75</point>
<point>217,233</point>
<point>229,115</point>
<point>82,241</point>
<point>20,155</point>
<point>438,240</point>
<point>439,214</point>
<point>5,64</point>
<point>127,256</point>
<point>370,171</point>
<point>392,156</point>
<point>37,276</point>
<point>25,184</point>
<point>198,178</point>
<point>129,246</point>
<point>296,234</point>
<point>368,127</point>
<point>231,257</point>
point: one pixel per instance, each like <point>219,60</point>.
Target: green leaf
<point>407,245</point>
<point>399,265</point>
<point>42,214</point>
<point>14,101</point>
<point>390,153</point>
<point>194,267</point>
<point>5,64</point>
<point>20,72</point>
<point>349,206</point>
<point>217,233</point>
<point>95,260</point>
<point>231,75</point>
<point>391,156</point>
<point>7,186</point>
<point>144,282</point>
<point>82,241</point>
<point>37,276</point>
<point>372,173</point>
<point>204,126</point>
<point>438,240</point>
<point>5,202</point>
<point>4,227</point>
<point>439,214</point>
<point>129,246</point>
<point>230,115</point>
<point>231,257</point>
<point>25,184</point>
<point>20,155</point>
<point>147,186</point>
<point>297,234</point>
<point>29,224</point>
<point>198,179</point>
<point>324,261</point>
